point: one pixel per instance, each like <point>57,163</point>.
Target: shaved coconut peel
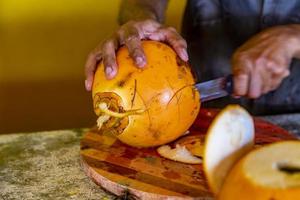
<point>150,106</point>
<point>194,144</point>
<point>229,137</point>
<point>179,153</point>
<point>269,172</point>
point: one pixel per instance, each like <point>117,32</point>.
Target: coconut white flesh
<point>229,137</point>
<point>275,166</point>
<point>179,153</point>
<point>101,120</point>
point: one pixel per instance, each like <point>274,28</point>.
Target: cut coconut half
<point>229,137</point>
<point>179,153</point>
<point>270,172</point>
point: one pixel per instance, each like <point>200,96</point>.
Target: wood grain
<point>122,169</point>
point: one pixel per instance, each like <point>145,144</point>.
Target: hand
<point>130,35</point>
<point>260,65</point>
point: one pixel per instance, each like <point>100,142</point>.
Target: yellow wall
<point>44,44</point>
<point>49,39</point>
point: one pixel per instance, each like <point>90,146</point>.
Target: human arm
<point>260,65</point>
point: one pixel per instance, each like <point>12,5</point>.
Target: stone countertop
<point>45,165</point>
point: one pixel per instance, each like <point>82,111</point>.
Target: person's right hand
<point>130,35</point>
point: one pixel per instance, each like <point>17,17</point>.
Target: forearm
<point>142,10</point>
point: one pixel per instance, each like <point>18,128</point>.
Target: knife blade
<point>215,88</point>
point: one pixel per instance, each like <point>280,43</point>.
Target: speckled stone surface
<point>45,165</point>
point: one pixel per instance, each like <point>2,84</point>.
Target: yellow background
<point>43,47</point>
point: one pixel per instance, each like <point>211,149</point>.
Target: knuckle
<point>261,61</point>
<point>131,37</point>
<point>270,64</point>
<point>127,32</point>
<point>240,68</point>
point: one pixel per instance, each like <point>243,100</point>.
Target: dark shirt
<point>215,28</point>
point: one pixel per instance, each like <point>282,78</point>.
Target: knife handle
<point>229,84</point>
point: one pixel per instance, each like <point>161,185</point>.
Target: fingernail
<point>184,55</point>
<point>108,70</point>
<point>140,62</point>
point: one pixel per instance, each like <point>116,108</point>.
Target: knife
<point>215,88</point>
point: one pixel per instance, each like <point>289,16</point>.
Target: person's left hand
<point>260,65</point>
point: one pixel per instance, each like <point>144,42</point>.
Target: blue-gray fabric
<point>215,28</point>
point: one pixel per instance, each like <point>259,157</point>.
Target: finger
<point>174,39</point>
<point>241,82</point>
<point>256,85</point>
<point>136,51</point>
<point>109,58</point>
<point>90,67</point>
<point>131,38</point>
<point>241,76</point>
<point>277,65</point>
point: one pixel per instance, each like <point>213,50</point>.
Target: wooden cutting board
<point>142,174</point>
